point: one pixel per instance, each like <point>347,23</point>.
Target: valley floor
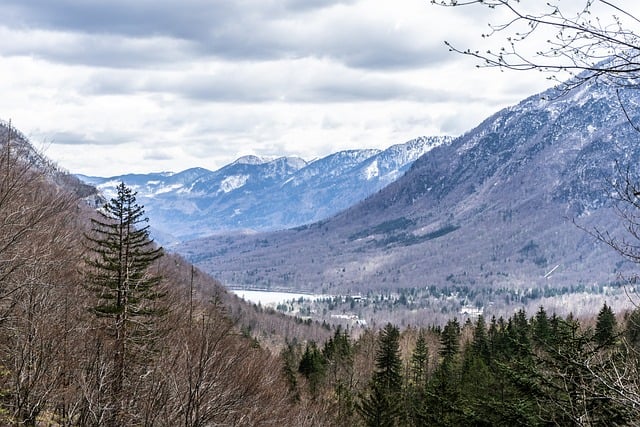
<point>432,306</point>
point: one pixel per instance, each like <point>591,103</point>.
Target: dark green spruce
<point>382,404</point>
<point>121,254</point>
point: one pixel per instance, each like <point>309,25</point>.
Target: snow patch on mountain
<point>253,160</point>
<point>108,188</point>
<point>372,171</point>
<point>168,189</point>
<point>233,183</point>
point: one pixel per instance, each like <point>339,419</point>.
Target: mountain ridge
<point>495,207</point>
<point>258,194</point>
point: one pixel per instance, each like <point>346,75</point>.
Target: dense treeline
<point>539,370</point>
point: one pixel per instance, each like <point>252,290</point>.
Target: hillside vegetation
<point>196,356</point>
<point>197,363</point>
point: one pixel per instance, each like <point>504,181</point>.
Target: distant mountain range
<point>260,194</point>
<point>494,207</point>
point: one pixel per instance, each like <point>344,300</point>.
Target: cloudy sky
<point>110,87</point>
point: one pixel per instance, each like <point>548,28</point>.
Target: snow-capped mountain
<point>495,207</point>
<point>260,194</point>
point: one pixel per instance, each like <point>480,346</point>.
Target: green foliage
<point>541,327</point>
<point>313,367</point>
<point>382,406</point>
<point>565,378</point>
<point>388,363</point>
<point>480,344</point>
<point>289,359</point>
<point>606,326</point>
<point>443,391</point>
<point>379,409</point>
<point>338,352</point>
<point>122,253</point>
<point>420,362</point>
<point>518,329</point>
<point>417,385</point>
<point>632,330</point>
<point>450,340</point>
<point>539,371</point>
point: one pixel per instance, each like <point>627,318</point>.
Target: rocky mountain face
<point>506,204</point>
<point>259,194</point>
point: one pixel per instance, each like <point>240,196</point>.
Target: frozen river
<point>268,298</point>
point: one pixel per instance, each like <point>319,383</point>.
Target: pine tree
<point>519,334</point>
<point>313,367</point>
<point>417,390</point>
<point>480,342</point>
<point>118,273</point>
<point>290,363</point>
<point>444,386</point>
<point>339,355</point>
<point>541,327</point>
<point>388,362</point>
<point>476,388</point>
<point>566,380</point>
<point>383,405</point>
<point>605,326</point>
<point>450,340</point>
<point>420,361</point>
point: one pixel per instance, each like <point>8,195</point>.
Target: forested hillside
<point>86,342</point>
<point>526,370</point>
<point>162,344</point>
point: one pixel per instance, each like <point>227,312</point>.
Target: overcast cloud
<point>109,87</point>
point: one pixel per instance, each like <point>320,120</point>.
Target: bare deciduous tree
<point>37,274</point>
<point>218,378</point>
<point>592,39</point>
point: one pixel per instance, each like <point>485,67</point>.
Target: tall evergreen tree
<point>339,355</point>
<point>420,361</point>
<point>606,326</point>
<point>476,389</point>
<point>541,327</point>
<point>480,342</point>
<point>417,388</point>
<point>289,368</point>
<point>118,272</point>
<point>570,389</point>
<point>383,405</point>
<point>443,392</point>
<point>518,329</point>
<point>313,367</point>
<point>450,340</point>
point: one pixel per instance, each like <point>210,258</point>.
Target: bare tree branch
<point>579,43</point>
